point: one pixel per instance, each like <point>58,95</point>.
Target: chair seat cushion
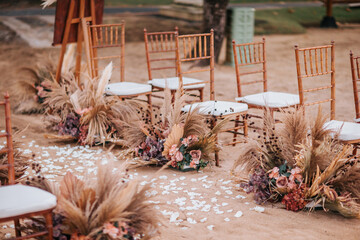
<point>271,99</point>
<point>347,131</point>
<point>19,199</point>
<point>357,120</point>
<point>126,88</point>
<point>217,108</point>
<point>173,83</point>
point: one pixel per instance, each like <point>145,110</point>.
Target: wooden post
<point>81,31</point>
<point>298,70</point>
<point>238,81</point>
<point>264,66</point>
<point>355,88</point>
<point>65,40</point>
<point>332,107</point>
<point>122,64</point>
<point>212,66</point>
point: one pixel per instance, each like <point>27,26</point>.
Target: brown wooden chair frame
<point>319,69</point>
<point>110,38</point>
<point>160,42</point>
<point>254,53</point>
<point>194,52</point>
<point>190,52</point>
<point>11,176</point>
<point>355,74</point>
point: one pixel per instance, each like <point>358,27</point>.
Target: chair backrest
<point>194,48</point>
<point>160,48</point>
<point>314,62</point>
<point>355,73</point>
<point>107,36</point>
<point>246,54</point>
<point>9,149</point>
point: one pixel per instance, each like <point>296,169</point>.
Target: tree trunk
<point>215,18</point>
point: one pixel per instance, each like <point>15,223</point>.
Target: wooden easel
<point>82,34</point>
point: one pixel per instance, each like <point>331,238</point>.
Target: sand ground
<point>204,205</point>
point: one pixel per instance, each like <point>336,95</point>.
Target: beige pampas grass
<point>47,3</point>
<point>103,81</point>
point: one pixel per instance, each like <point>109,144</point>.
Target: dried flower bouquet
<point>108,207</point>
<point>296,164</point>
<point>170,136</point>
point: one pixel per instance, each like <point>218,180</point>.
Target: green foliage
<point>294,20</point>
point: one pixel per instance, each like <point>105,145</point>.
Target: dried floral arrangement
<point>83,113</point>
<point>108,207</point>
<point>170,136</point>
<point>29,90</point>
<point>301,165</point>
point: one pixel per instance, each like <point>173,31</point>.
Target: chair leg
<point>245,125</point>
<point>236,125</point>
<point>49,224</point>
<point>201,94</point>
<point>150,106</point>
<point>17,227</point>
<point>212,125</point>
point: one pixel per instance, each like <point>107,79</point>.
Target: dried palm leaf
<point>249,159</point>
<point>195,123</point>
<point>177,132</point>
<point>103,81</point>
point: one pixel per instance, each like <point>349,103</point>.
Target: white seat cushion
<point>217,108</point>
<point>357,120</point>
<point>20,199</point>
<point>271,99</point>
<point>173,83</point>
<point>347,130</point>
<point>126,88</point>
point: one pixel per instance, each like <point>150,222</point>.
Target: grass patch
<point>294,20</point>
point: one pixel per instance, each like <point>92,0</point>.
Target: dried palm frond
<point>293,132</point>
<point>68,57</point>
<point>323,177</point>
<point>103,81</point>
<point>167,105</point>
<point>318,132</point>
<point>177,132</point>
<point>346,206</point>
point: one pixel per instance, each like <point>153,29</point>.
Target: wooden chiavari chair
<point>19,201</point>
<point>112,36</point>
<point>165,42</point>
<point>355,73</point>
<point>316,62</point>
<point>197,47</point>
<point>253,55</point>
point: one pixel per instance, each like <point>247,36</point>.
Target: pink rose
<point>110,230</point>
<point>178,156</point>
<point>185,141</point>
<point>274,173</point>
<point>173,150</point>
<point>195,155</point>
<point>281,183</point>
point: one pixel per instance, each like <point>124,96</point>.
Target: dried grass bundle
<point>86,205</point>
<point>293,132</point>
<point>21,163</point>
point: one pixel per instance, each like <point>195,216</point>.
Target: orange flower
<point>296,174</point>
<point>274,173</point>
<point>185,141</point>
<point>192,164</point>
<point>192,139</point>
